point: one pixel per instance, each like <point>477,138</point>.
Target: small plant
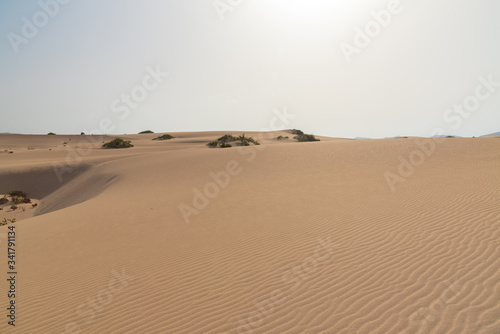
<point>227,139</point>
<point>65,143</point>
<point>4,200</point>
<point>14,207</point>
<point>305,138</point>
<point>213,143</point>
<point>282,138</point>
<point>51,134</point>
<point>82,133</point>
<point>17,193</point>
<point>7,221</point>
<point>297,132</point>
<point>118,143</point>
<point>145,132</point>
<point>164,137</point>
<point>34,205</point>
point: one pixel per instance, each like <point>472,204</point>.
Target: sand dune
<point>285,237</point>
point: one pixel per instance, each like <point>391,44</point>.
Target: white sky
<point>266,54</point>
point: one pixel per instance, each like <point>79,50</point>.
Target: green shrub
<point>224,145</point>
<point>6,221</point>
<point>164,137</point>
<point>240,140</point>
<point>51,134</point>
<point>213,143</point>
<point>17,193</point>
<point>118,143</point>
<point>4,200</point>
<point>297,132</point>
<point>145,132</point>
<point>227,139</point>
<point>304,138</point>
<point>281,137</point>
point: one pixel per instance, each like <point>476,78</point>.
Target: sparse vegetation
<point>145,132</point>
<point>14,207</point>
<point>7,221</point>
<point>226,139</point>
<point>297,132</point>
<point>51,134</point>
<point>17,193</point>
<point>118,143</point>
<point>34,205</point>
<point>213,143</point>
<point>82,133</point>
<point>164,137</point>
<point>305,138</point>
<point>17,196</point>
<point>282,138</point>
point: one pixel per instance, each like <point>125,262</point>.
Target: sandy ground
<point>285,237</point>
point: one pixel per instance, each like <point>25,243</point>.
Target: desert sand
<point>285,237</point>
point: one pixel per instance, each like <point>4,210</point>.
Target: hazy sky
<point>343,68</point>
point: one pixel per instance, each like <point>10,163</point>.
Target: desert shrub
<point>34,205</point>
<point>227,139</point>
<point>4,200</point>
<point>253,141</point>
<point>240,140</point>
<point>297,132</point>
<point>245,141</point>
<point>17,193</point>
<point>6,221</point>
<point>145,132</point>
<point>14,207</point>
<point>304,138</point>
<point>281,137</point>
<point>164,137</point>
<point>224,145</point>
<point>213,143</point>
<point>118,143</point>
<point>51,134</point>
<point>82,133</point>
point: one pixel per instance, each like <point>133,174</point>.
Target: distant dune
<point>285,237</point>
<point>492,134</point>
